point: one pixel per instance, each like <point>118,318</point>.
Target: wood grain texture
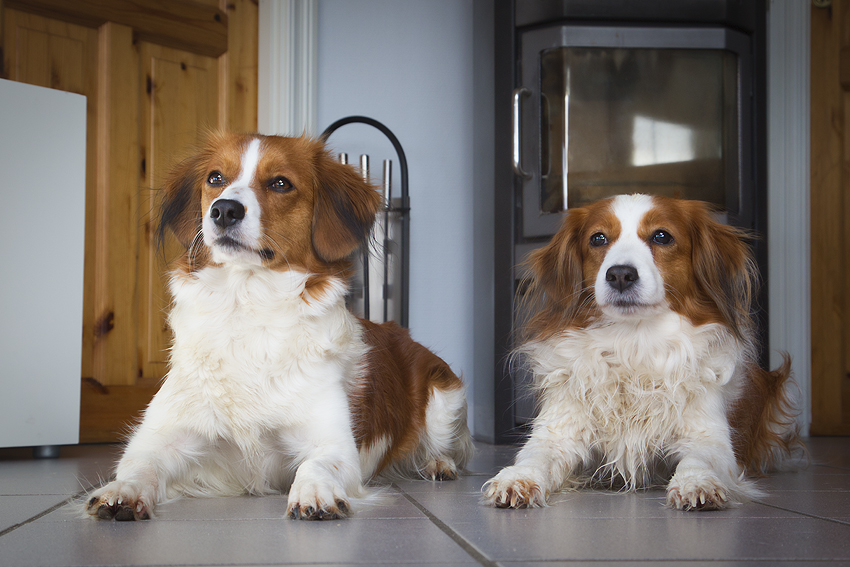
<point>107,413</point>
<point>117,209</point>
<point>830,157</point>
<point>238,67</point>
<point>192,26</point>
<point>180,103</point>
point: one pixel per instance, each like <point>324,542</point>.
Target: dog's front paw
<point>697,491</point>
<point>314,501</point>
<point>440,468</point>
<point>119,500</point>
<point>514,487</point>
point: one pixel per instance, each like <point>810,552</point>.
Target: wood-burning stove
<point>601,97</point>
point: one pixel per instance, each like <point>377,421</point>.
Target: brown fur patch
<point>762,419</point>
<point>709,271</point>
<point>401,375</point>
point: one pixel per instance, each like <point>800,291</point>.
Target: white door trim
<point>789,271</point>
<point>288,67</point>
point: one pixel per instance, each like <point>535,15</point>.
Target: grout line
<point>77,496</point>
<point>42,514</point>
<point>468,547</point>
<point>814,516</point>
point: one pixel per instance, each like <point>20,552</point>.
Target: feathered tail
<point>765,432</point>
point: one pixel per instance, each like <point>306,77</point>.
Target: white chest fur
<point>253,351</point>
<point>630,389</point>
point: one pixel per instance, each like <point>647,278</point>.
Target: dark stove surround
<point>519,230</point>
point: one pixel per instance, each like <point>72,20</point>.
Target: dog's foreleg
<point>153,458</point>
<point>707,476</point>
<point>542,466</point>
<point>329,473</point>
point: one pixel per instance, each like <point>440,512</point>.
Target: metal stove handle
<point>519,93</point>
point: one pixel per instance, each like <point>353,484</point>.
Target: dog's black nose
<point>227,212</point>
<point>621,277</point>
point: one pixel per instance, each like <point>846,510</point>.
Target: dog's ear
<point>557,267</point>
<point>344,209</point>
<point>180,207</point>
<point>555,284</point>
<point>724,267</point>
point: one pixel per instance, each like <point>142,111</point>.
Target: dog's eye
<point>215,178</point>
<point>598,239</point>
<point>280,184</point>
<point>661,237</point>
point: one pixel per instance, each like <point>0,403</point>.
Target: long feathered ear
<point>344,209</point>
<point>724,268</point>
<point>555,285</point>
<point>180,208</point>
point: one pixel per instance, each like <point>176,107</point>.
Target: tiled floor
<point>803,520</point>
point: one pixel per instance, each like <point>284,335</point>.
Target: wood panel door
<point>157,74</point>
<point>830,218</point>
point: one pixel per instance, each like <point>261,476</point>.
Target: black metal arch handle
<point>403,210</point>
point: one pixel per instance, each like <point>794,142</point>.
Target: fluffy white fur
<point>634,395</point>
<point>630,412</point>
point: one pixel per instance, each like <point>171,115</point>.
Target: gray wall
<point>414,66</point>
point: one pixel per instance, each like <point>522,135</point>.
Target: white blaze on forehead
<point>250,159</point>
<point>628,248</point>
<point>240,188</point>
<point>630,210</point>
<point>631,250</point>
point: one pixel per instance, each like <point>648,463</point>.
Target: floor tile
<point>467,483</point>
<point>653,563</point>
<point>821,504</point>
<point>582,505</point>
<point>693,537</point>
<point>227,542</point>
<point>17,509</point>
<point>830,451</point>
<point>417,522</point>
<point>79,468</point>
<point>813,478</point>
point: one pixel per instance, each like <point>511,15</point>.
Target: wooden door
<point>830,218</point>
<point>157,74</point>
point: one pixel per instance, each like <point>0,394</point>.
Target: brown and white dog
<point>273,385</point>
<point>644,359</point>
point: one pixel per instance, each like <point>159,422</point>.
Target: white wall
<point>409,65</point>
